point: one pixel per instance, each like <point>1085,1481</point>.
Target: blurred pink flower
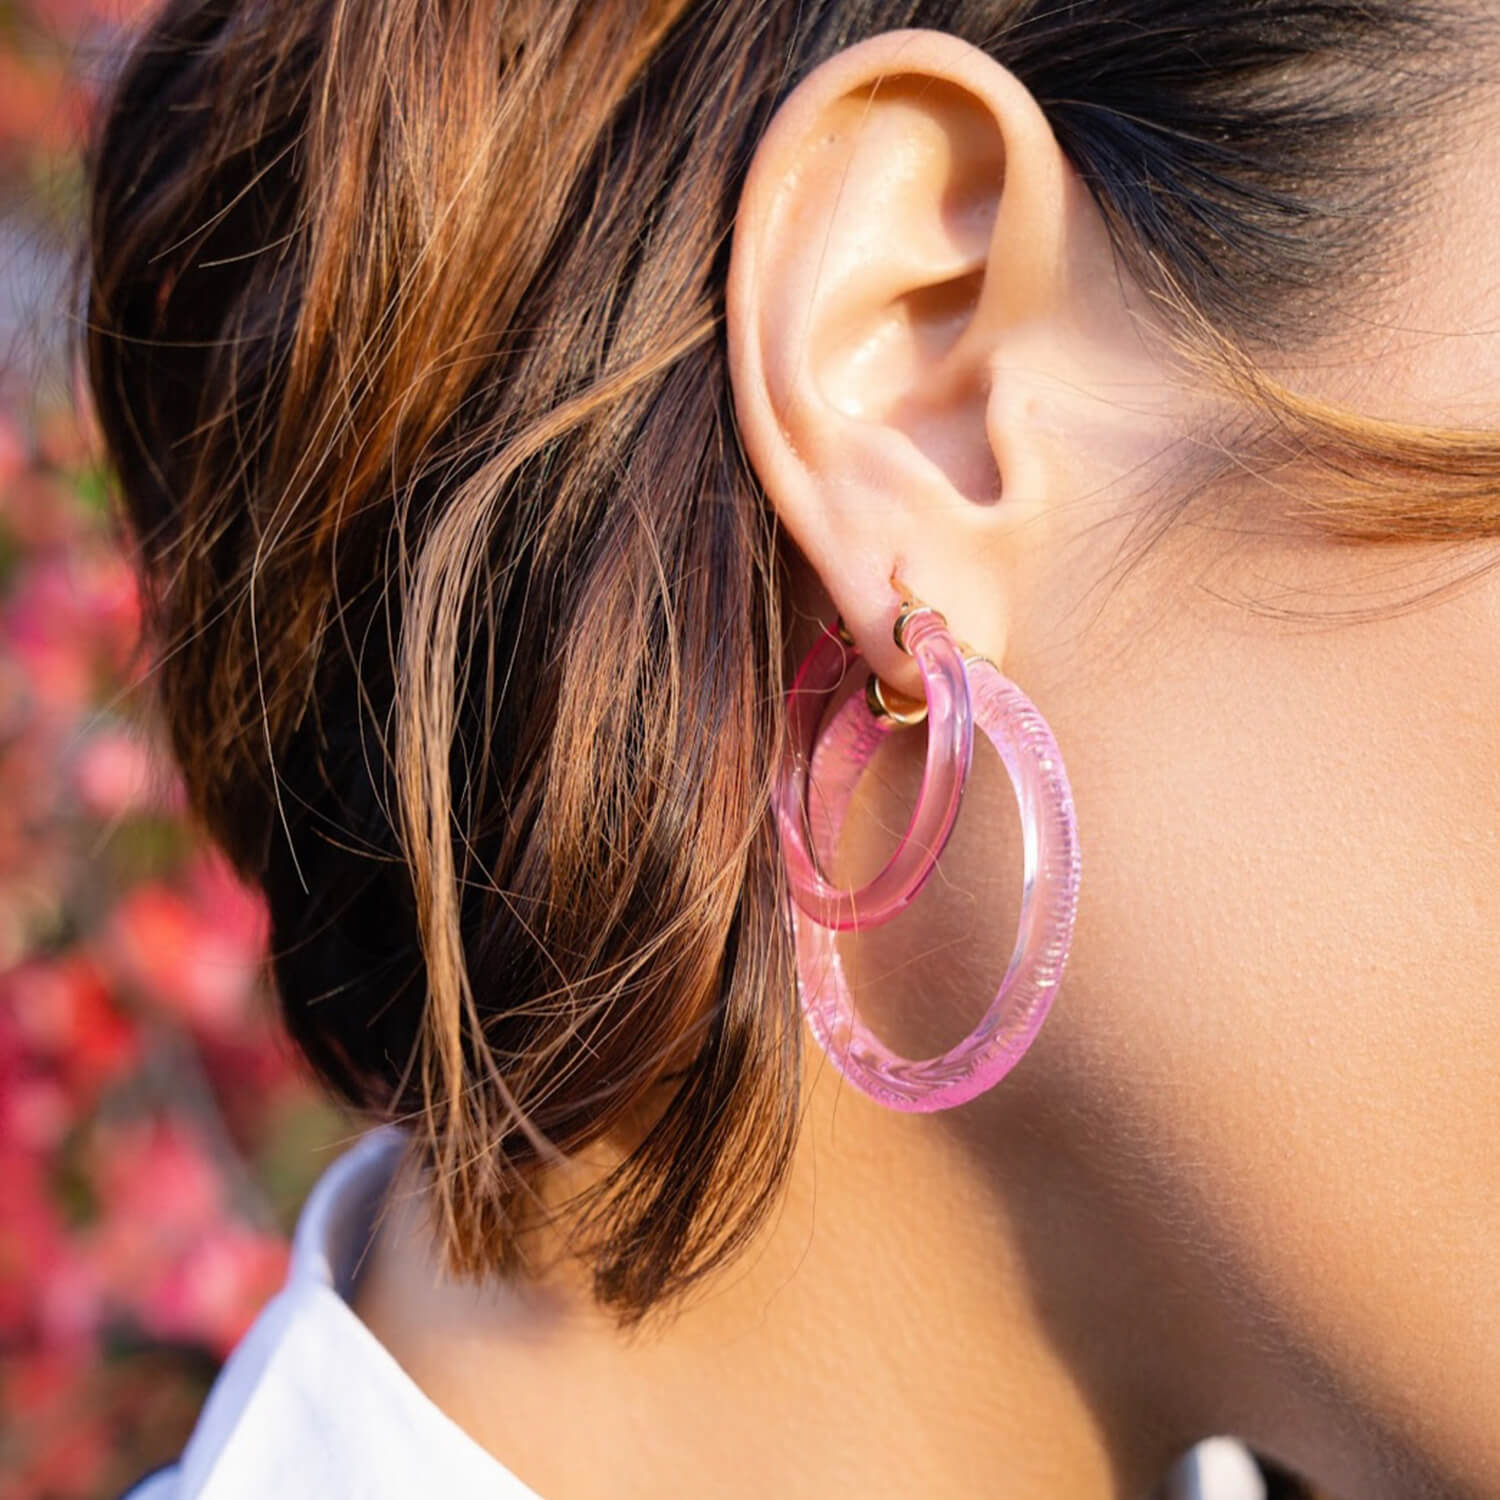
<point>63,1010</point>
<point>167,1249</point>
<point>31,1239</point>
<point>237,912</point>
<point>62,1446</point>
<point>70,616</point>
<point>116,774</point>
<point>13,455</point>
<point>70,1305</point>
<point>68,17</point>
<point>153,1171</point>
<point>62,1040</point>
<point>211,1294</point>
<point>109,604</point>
<point>195,955</point>
<point>36,1111</point>
<point>157,1193</point>
<point>44,632</point>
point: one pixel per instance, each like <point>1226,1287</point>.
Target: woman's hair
<point>405,330</point>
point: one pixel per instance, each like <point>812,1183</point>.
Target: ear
<point>905,263</point>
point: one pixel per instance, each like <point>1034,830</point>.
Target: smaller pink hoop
<point>950,749</point>
<point>1049,902</point>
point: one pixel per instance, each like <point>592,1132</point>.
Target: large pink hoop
<point>950,749</point>
<point>1049,902</point>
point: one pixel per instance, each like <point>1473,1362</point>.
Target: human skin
<point>1245,1180</point>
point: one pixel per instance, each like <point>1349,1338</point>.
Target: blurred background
<point>157,1134</point>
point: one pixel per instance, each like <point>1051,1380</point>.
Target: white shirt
<point>311,1405</point>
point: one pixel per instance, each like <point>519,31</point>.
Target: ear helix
<point>820,771</point>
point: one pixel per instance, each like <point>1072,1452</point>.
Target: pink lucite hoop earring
<point>1052,871</point>
<point>950,747</point>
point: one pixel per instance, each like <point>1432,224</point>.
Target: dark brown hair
<point>405,332</point>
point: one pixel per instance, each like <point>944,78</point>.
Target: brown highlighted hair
<point>405,331</point>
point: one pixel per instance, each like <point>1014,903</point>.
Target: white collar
<point>312,1406</point>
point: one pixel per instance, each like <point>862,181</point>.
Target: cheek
<point>1286,981</point>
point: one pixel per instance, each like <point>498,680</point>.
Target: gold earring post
<point>896,708</point>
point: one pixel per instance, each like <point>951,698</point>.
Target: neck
<point>901,1316</point>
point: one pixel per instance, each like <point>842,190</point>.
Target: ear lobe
<point>903,215</point>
